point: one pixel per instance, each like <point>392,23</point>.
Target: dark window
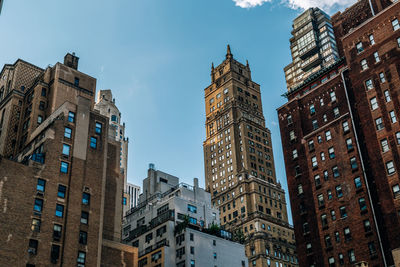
<point>55,253</point>
<point>353,163</point>
<point>335,171</point>
<point>149,237</point>
<point>98,127</point>
<point>86,198</point>
<point>57,229</point>
<point>93,142</point>
<point>76,81</point>
<point>339,192</point>
<point>67,132</point>
<point>38,205</point>
<point>84,217</point>
<point>372,249</point>
<point>42,105</point>
<point>35,225</point>
<point>192,208</point>
<point>61,191</point>
<point>81,259</point>
<point>41,185</point>
<point>82,237</point>
<point>357,182</point>
<point>367,226</point>
<point>64,167</point>
<point>44,92</point>
<point>191,237</point>
<point>71,116</point>
<point>343,212</point>
<point>59,210</point>
<point>33,245</point>
<point>363,204</point>
<point>347,233</point>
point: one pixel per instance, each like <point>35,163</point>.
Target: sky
<point>156,57</point>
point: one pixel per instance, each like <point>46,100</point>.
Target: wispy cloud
<point>327,5</point>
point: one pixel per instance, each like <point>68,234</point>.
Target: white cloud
<point>250,3</point>
<point>326,5</point>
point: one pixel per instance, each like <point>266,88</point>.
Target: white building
<point>133,192</point>
<point>172,226</point>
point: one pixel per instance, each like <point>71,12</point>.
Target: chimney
<point>71,61</point>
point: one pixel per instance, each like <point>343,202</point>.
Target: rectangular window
<point>93,142</point>
<point>314,162</point>
<point>55,253</point>
<point>352,256</point>
<point>335,171</point>
<point>33,245</point>
<point>364,64</point>
<point>379,124</point>
<point>312,110</point>
<point>294,153</point>
<point>382,77</point>
<point>331,152</point>
<point>367,226</point>
<point>41,185</point>
<point>369,85</point>
<point>311,145</point>
<point>57,229</point>
<point>336,112</point>
<point>71,116</point>
<point>328,135</point>
<point>374,103</point>
<point>322,156</point>
<point>359,47</point>
<point>349,144</point>
<point>393,116</point>
<point>61,191</point>
<point>346,127</point>
<point>289,119</point>
<point>81,260</point>
<point>371,39</point>
<point>292,136</point>
<point>343,212</point>
<point>98,127</point>
<point>38,205</point>
<point>82,237</point>
<point>324,220</point>
<point>347,233</point>
<point>357,182</point>
<point>315,124</point>
<point>362,203</point>
<point>339,191</point>
<point>321,201</point>
<point>390,167</point>
<point>395,24</point>
<point>67,132</point>
<point>39,119</point>
<point>59,210</point>
<point>398,138</point>
<point>42,105</point>
<point>64,167</point>
<point>35,225</point>
<point>66,149</point>
<point>353,163</point>
<point>86,198</point>
<point>376,56</point>
<point>84,217</point>
<point>192,208</point>
<point>384,145</point>
<point>398,42</point>
<point>387,96</point>
<point>333,96</point>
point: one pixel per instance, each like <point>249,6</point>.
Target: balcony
<point>308,50</point>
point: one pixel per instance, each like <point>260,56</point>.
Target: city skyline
<point>172,39</point>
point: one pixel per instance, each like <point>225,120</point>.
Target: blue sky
<point>156,57</point>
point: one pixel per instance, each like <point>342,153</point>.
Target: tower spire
<point>228,52</point>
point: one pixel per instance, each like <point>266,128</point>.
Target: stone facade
<point>239,166</point>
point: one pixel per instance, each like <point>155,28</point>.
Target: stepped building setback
<point>61,187</point>
<point>239,166</point>
<point>341,135</point>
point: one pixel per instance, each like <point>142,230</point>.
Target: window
<point>82,237</point>
<point>359,47</point>
<point>35,225</point>
<point>39,119</point>
<point>322,156</point>
<point>346,127</point>
<point>371,39</point>
<point>393,116</point>
<point>41,185</point>
<point>314,161</point>
<point>86,198</point>
<point>61,191</point>
<point>390,167</point>
<point>308,248</point>
<point>328,243</point>
<point>312,110</point>
<point>339,192</point>
<point>347,233</point>
<point>64,167</point>
<point>337,237</point>
<point>93,142</point>
<point>367,226</point>
<point>343,212</point>
<point>98,127</point>
<point>398,138</point>
<point>114,118</point>
<point>38,205</point>
<point>333,96</point>
<point>333,215</point>
<point>294,153</point>
<point>292,136</point>
<point>362,203</point>
<point>57,229</point>
<point>43,92</point>
<point>192,263</point>
<point>326,175</point>
<point>331,152</point>
<point>324,220</point>
<point>387,96</point>
<point>76,81</point>
<point>289,119</point>
<point>335,171</point>
<point>382,77</point>
<point>369,85</point>
<point>324,118</point>
<point>371,248</point>
<point>315,124</point>
<point>306,228</point>
<point>66,149</point>
<point>336,112</point>
<point>352,256</point>
<point>379,124</point>
<point>384,145</point>
<point>67,132</point>
<point>192,208</point>
<point>59,210</point>
<point>364,64</point>
<point>317,180</point>
<point>33,245</point>
<point>376,56</point>
<point>311,145</point>
<point>55,253</point>
<point>320,198</point>
<point>300,189</point>
<point>353,163</point>
<point>191,237</point>
<point>84,217</point>
<point>81,259</point>
<point>357,182</point>
<point>395,24</point>
<point>374,103</point>
<point>396,190</point>
<point>42,105</point>
<point>329,193</point>
<point>349,144</point>
<point>71,116</point>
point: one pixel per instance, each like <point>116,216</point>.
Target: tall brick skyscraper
<point>60,182</point>
<point>341,136</point>
<point>239,166</point>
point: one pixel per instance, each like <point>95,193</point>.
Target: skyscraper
<point>239,166</point>
<point>339,133</point>
<point>313,46</point>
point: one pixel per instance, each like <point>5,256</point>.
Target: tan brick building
<point>60,182</point>
<point>239,166</point>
